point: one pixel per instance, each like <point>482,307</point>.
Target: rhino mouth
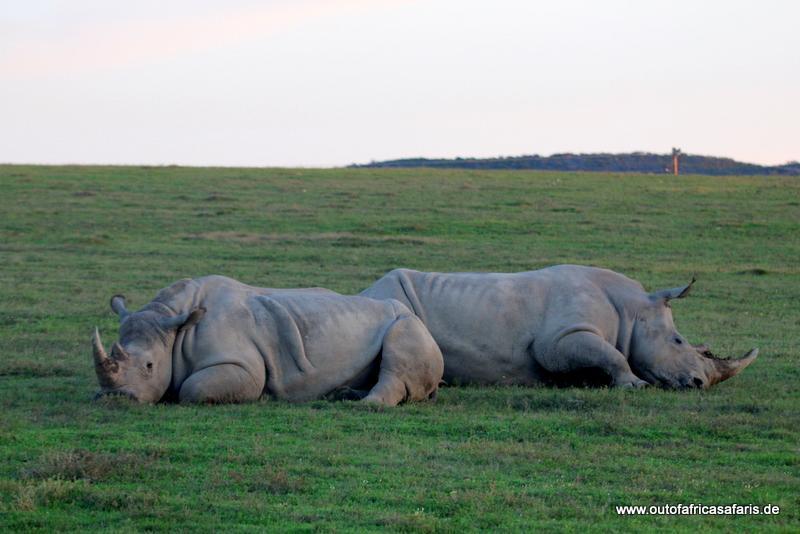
<point>667,382</point>
<point>658,381</point>
<point>117,392</point>
<point>674,384</point>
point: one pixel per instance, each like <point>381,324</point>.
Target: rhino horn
<point>98,351</point>
<point>728,368</point>
<point>103,365</point>
<point>674,293</point>
<point>118,353</point>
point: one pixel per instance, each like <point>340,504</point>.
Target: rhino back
<point>215,290</point>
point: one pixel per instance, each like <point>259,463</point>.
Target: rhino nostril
<point>698,382</point>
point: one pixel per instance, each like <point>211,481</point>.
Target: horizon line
<point>371,161</point>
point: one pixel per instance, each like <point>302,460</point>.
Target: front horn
<point>99,353</point>
<point>730,368</point>
<point>104,366</point>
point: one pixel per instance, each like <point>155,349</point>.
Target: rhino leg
<point>411,364</point>
<point>585,349</point>
<point>346,394</point>
<point>221,383</point>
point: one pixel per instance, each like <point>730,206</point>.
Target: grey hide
<point>541,326</point>
<point>214,339</point>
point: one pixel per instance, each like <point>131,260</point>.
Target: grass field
<point>479,458</point>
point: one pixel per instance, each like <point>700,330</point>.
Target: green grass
<point>479,458</point>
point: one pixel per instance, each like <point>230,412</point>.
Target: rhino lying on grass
<point>540,326</point>
<point>214,339</point>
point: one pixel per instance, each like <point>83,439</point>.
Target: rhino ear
<point>194,318</point>
<point>184,321</point>
<point>674,293</point>
<point>118,305</point>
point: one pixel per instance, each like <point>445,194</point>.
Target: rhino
<point>548,325</point>
<point>214,339</point>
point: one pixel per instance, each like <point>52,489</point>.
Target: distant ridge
<point>639,162</point>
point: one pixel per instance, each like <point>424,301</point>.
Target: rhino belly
<point>484,329</point>
<point>357,373</point>
<point>470,366</point>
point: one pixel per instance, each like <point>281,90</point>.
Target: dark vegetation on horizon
<point>639,162</point>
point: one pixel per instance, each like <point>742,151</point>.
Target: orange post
<point>676,154</point>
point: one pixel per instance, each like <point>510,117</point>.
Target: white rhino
<point>541,326</point>
<point>214,339</point>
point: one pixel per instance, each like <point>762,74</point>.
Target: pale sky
<point>333,82</point>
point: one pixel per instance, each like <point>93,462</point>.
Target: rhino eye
<point>679,341</point>
<point>149,365</point>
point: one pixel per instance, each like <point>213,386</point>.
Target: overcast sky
<point>332,82</point>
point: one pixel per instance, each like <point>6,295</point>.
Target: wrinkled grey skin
<point>533,327</point>
<point>214,339</point>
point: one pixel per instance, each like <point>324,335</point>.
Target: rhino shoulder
<point>399,271</point>
<point>217,280</point>
<point>175,290</point>
<point>400,309</point>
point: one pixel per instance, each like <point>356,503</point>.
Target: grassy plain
<point>480,458</point>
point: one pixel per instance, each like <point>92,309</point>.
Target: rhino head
<point>140,363</point>
<point>663,357</point>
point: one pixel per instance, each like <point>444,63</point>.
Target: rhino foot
<point>632,382</point>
